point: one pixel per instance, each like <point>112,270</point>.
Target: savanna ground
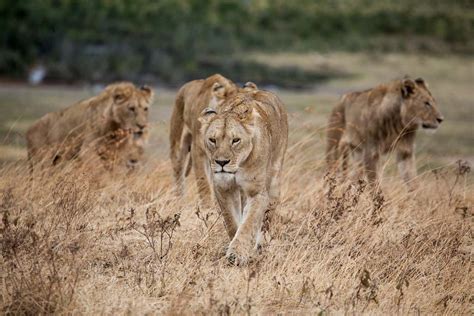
<point>71,244</point>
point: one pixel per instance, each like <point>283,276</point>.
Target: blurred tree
<point>175,40</point>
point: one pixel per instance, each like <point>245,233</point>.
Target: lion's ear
<point>147,92</point>
<point>250,86</point>
<point>408,87</point>
<point>218,90</point>
<point>421,82</point>
<point>206,115</point>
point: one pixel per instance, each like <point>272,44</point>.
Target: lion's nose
<point>132,163</point>
<point>440,119</point>
<point>222,163</point>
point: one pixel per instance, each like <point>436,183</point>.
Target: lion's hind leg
<point>201,172</point>
<point>181,162</point>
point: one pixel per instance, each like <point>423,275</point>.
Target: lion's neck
<point>108,123</point>
<point>109,126</point>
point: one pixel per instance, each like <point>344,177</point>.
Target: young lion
<point>377,121</point>
<point>75,130</point>
<point>245,143</point>
<point>122,150</point>
<point>191,100</point>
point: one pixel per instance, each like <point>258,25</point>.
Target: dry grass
<point>70,244</point>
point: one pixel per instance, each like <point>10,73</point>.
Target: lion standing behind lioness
<point>370,123</point>
<point>77,130</point>
<point>185,145</point>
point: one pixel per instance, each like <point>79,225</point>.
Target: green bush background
<point>171,41</point>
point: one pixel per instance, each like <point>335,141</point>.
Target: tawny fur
<point>185,149</point>
<point>377,121</point>
<point>245,142</point>
<point>77,129</point>
<point>122,150</point>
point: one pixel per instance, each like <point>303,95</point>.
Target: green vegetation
<point>171,41</point>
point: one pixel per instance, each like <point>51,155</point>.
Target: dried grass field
<point>75,242</point>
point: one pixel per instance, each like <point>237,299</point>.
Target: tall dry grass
<point>72,244</point>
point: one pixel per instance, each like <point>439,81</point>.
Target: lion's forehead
<point>132,95</point>
<point>216,125</point>
<point>138,100</point>
<point>226,126</point>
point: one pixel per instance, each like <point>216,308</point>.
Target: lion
<point>75,131</point>
<point>122,150</point>
<point>186,151</point>
<point>374,122</point>
<point>245,141</point>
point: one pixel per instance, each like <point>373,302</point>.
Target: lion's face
<point>131,106</point>
<point>419,106</point>
<point>227,141</point>
<point>135,149</point>
<point>134,157</point>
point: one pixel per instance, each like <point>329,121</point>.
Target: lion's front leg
<point>200,164</point>
<point>371,158</point>
<point>245,240</point>
<point>230,208</point>
<point>406,165</point>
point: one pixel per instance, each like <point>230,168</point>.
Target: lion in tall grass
<point>245,143</point>
<point>122,150</point>
<point>186,150</point>
<point>77,130</point>
<point>377,121</point>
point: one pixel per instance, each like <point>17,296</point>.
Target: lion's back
<point>190,94</point>
<point>362,108</point>
<point>60,127</point>
<point>274,115</point>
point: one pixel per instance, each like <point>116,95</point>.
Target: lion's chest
<point>248,183</point>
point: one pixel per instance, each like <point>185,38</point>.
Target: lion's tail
<point>334,133</point>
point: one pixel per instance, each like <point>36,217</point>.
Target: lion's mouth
<point>429,125</point>
<point>224,172</point>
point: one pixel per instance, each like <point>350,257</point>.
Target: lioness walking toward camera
<point>186,150</point>
<point>77,130</point>
<point>374,122</point>
<point>245,142</point>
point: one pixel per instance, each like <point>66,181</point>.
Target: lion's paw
<point>238,255</point>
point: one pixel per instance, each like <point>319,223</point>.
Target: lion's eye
<point>131,109</point>
<point>427,104</point>
<point>212,140</point>
<point>146,109</point>
<point>236,141</point>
